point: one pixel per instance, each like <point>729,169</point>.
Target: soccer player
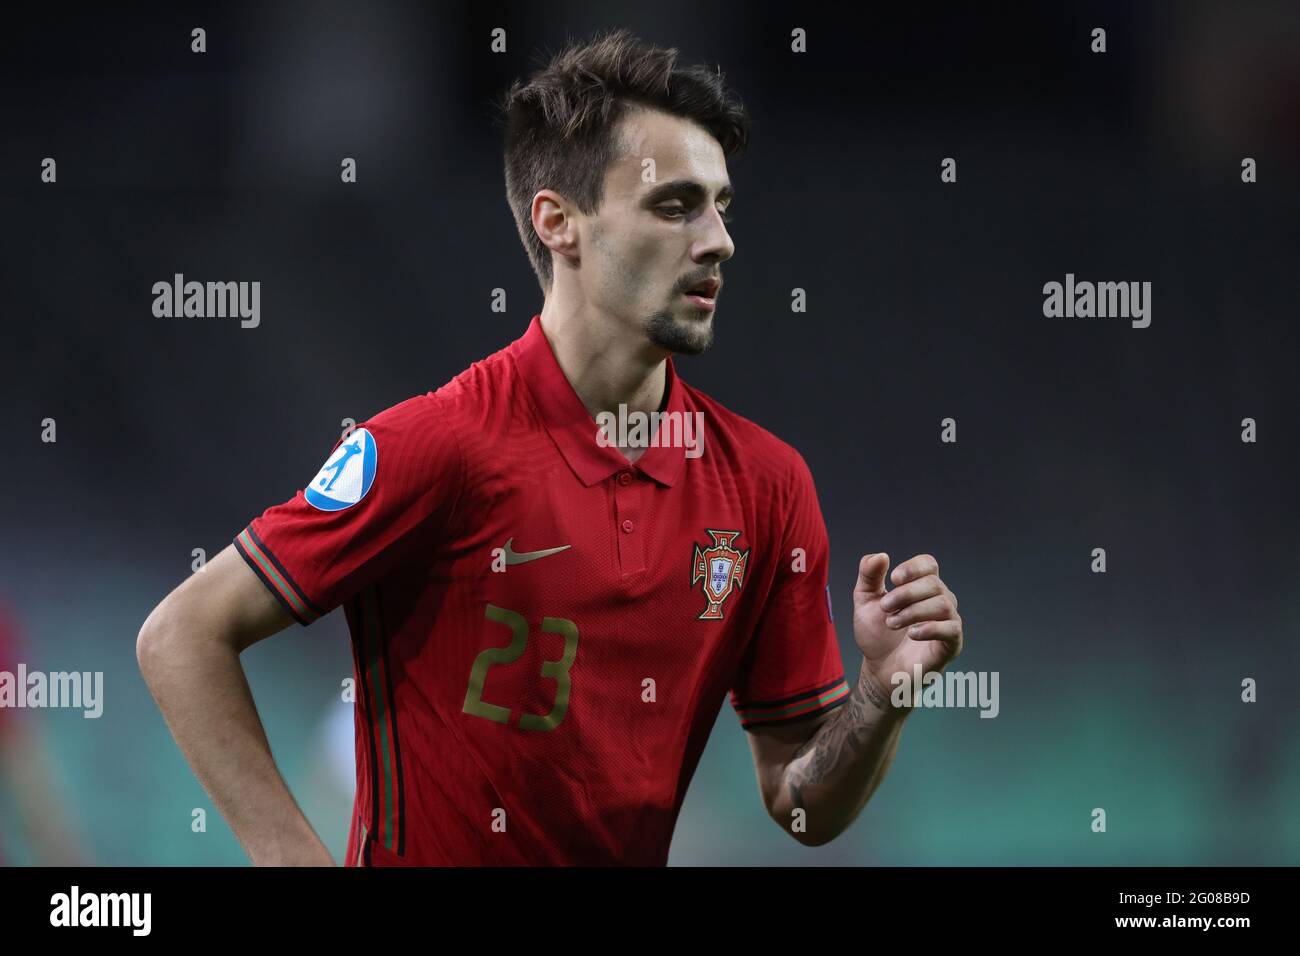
<point>547,613</point>
<point>26,777</point>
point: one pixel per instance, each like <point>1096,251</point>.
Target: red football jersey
<point>544,633</point>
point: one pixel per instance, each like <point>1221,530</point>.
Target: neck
<point>605,369</point>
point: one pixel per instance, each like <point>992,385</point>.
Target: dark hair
<point>559,126</point>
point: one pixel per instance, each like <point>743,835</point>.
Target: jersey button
<point>624,478</point>
<point>627,526</point>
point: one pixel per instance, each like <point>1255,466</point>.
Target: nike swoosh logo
<point>514,557</point>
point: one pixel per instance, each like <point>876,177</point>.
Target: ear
<point>554,222</point>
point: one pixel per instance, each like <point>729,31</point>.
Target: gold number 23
<point>557,670</point>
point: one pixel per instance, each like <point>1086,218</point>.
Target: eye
<point>674,212</point>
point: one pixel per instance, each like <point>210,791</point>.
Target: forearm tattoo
<point>843,737</point>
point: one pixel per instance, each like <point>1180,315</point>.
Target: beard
<point>681,336</point>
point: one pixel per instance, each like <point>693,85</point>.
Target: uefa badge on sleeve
<point>345,478</point>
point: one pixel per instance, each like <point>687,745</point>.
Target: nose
<point>714,243</point>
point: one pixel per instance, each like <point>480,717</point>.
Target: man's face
<point>655,236</point>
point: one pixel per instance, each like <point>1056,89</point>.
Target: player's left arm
<point>829,766</point>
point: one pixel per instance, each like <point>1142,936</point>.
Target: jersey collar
<point>572,426</point>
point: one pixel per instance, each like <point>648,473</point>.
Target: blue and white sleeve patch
<point>346,476</point>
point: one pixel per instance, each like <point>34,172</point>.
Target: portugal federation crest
<point>721,568</point>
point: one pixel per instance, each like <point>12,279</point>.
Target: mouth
<point>701,302</point>
<point>704,295</point>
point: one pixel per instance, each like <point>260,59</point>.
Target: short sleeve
<point>385,493</point>
<point>792,669</point>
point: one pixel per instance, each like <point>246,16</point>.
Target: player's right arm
<point>378,504</point>
<point>188,650</point>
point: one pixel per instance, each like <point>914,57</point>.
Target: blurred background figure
<point>331,777</point>
<point>33,818</point>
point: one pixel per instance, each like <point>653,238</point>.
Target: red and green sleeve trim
<point>277,580</point>
<point>810,703</point>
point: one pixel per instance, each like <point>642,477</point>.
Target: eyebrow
<point>685,189</point>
